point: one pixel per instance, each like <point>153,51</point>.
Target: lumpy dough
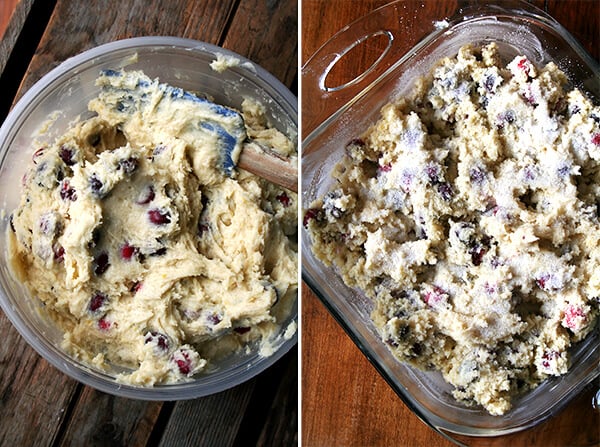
<point>150,252</point>
<point>469,214</point>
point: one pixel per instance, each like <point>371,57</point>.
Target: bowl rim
<point>472,11</point>
<point>201,385</point>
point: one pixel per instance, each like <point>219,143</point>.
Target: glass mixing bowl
<point>339,113</point>
<point>63,94</point>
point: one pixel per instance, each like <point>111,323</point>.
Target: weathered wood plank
<point>76,26</point>
<point>212,420</point>
<point>281,426</point>
<point>95,418</point>
<point>14,14</point>
<point>31,391</point>
<point>100,419</point>
<point>267,33</point>
<point>18,44</point>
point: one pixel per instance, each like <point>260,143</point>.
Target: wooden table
<point>39,406</point>
<point>345,402</point>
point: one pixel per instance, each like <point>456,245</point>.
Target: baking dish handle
<point>390,25</point>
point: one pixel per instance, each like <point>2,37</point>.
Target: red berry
<point>214,318</point>
<point>283,199</point>
<point>104,324</point>
<point>435,296</point>
<point>66,192</point>
<point>127,251</point>
<point>101,263</point>
<point>136,286</point>
<point>161,340</point>
<point>98,300</point>
<point>548,356</point>
<point>66,155</point>
<point>159,217</point>
<point>385,168</point>
<point>146,195</point>
<point>202,228</point>
<point>59,252</point>
<point>128,165</point>
<point>312,213</point>
<point>574,316</point>
<point>596,139</point>
<point>183,361</point>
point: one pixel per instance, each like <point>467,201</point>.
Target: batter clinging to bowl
<point>469,213</point>
<point>147,250</point>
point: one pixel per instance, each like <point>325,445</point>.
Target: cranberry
<point>529,173</point>
<point>563,171</point>
<point>445,191</point>
<point>67,154</point>
<point>183,361</point>
<point>312,213</point>
<point>478,250</point>
<point>434,297</point>
<point>489,82</point>
<point>477,175</point>
<point>97,302</point>
<point>529,96</point>
<point>283,199</point>
<point>159,216</point>
<point>549,282</point>
<point>96,185</point>
<point>490,289</point>
<point>48,224</point>
<point>384,168</point>
<point>549,356</point>
<point>159,149</point>
<point>506,117</point>
<point>67,192</point>
<point>214,319</point>
<point>146,196</point>
<point>127,251</point>
<point>101,263</point>
<point>202,228</point>
<point>433,173</point>
<point>574,316</point>
<point>523,65</point>
<point>596,139</point>
<point>406,180</point>
<point>161,340</point>
<point>104,324</point>
<point>59,252</point>
<point>135,287</point>
<point>129,165</point>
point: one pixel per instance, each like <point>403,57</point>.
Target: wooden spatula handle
<point>269,165</point>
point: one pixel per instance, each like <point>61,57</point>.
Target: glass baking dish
<point>340,113</point>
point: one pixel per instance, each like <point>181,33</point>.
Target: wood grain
<point>213,420</point>
<point>267,32</point>
<point>104,420</point>
<point>18,11</point>
<point>345,402</point>
<point>7,7</point>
